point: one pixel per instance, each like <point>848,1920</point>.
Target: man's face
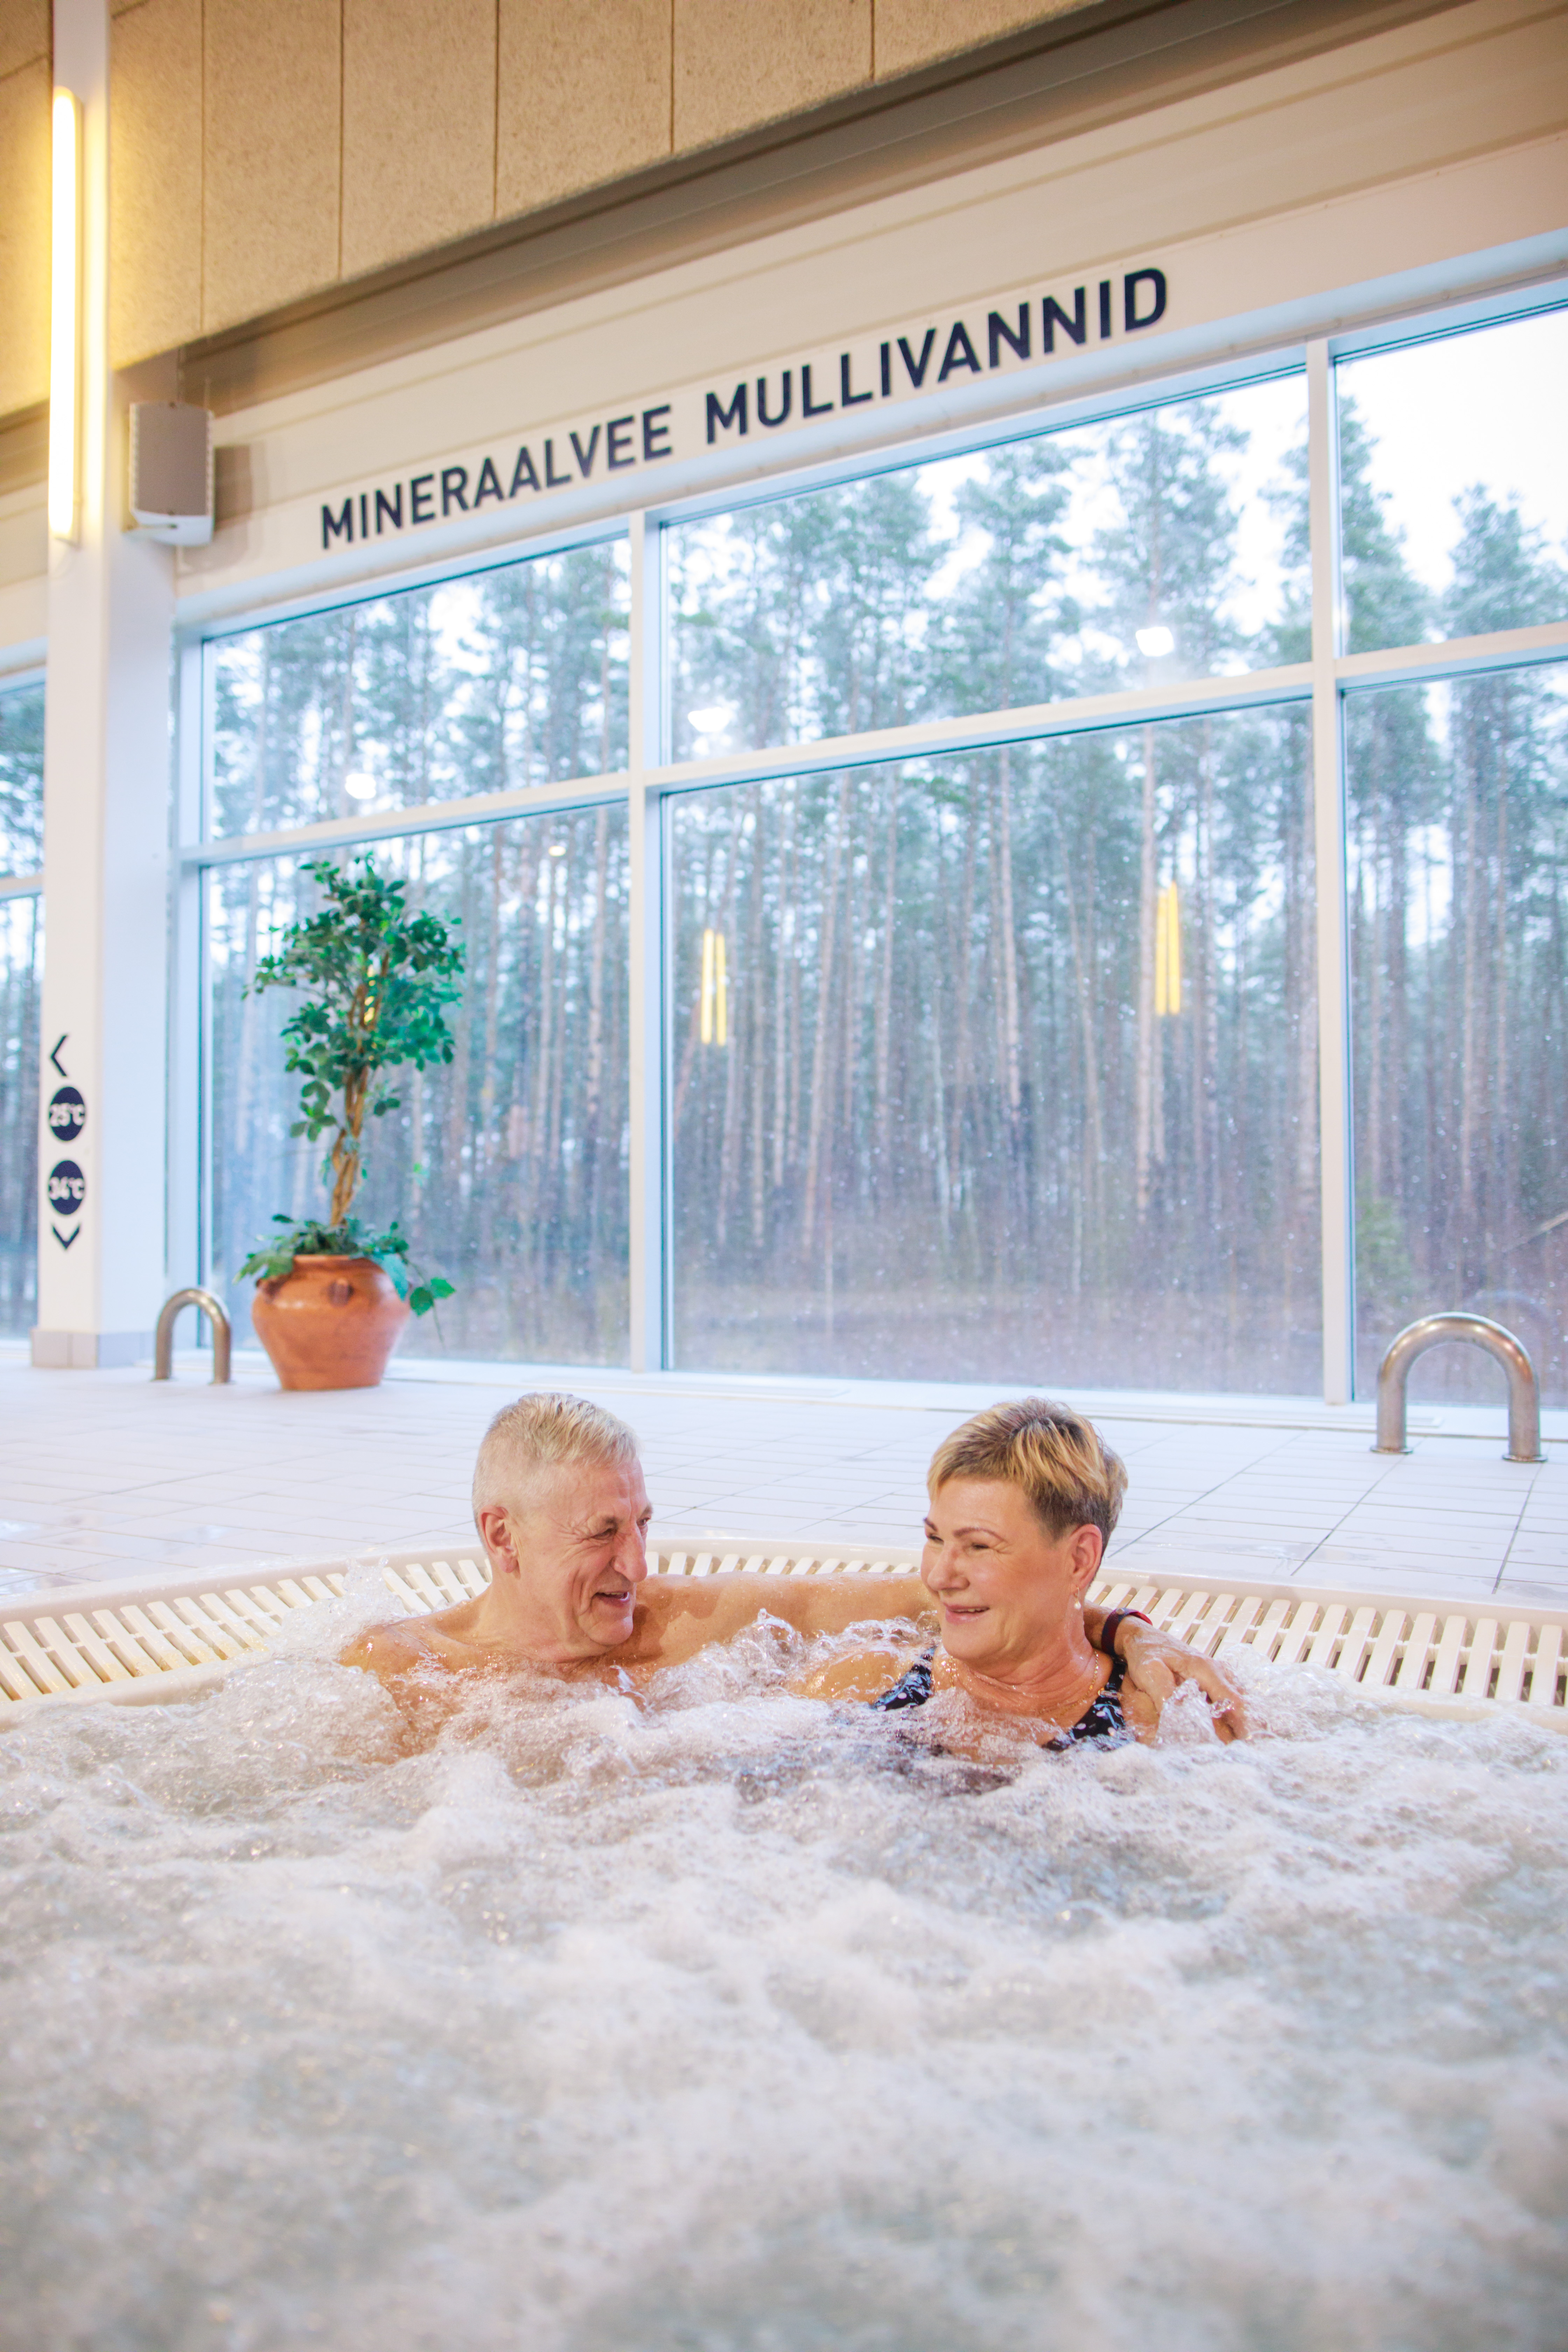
<point>577,1546</point>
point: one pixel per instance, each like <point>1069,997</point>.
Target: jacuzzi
<point>726,2021</point>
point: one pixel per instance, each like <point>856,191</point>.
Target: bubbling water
<point>728,2022</point>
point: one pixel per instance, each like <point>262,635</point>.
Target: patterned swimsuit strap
<point>914,1687</point>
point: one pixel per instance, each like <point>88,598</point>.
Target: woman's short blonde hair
<point>1059,1459</point>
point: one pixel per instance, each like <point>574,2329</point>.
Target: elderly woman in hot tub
<point>1022,1500</point>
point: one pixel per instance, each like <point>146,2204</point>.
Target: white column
<point>1334,1129</point>
<point>646,1023</point>
<point>106,829</point>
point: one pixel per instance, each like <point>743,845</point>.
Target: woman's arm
<point>1157,1662</point>
<point>697,1610</point>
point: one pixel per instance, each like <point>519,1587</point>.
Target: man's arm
<point>697,1610</point>
<point>832,1603</point>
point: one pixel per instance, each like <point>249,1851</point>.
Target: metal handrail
<point>163,1342</point>
<point>1479,1331</point>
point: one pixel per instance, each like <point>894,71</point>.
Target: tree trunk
<point>884,1176</point>
<point>756,1026</point>
<point>825,1027</point>
<point>735,1060</point>
<point>1094,1124</point>
<point>963,953</point>
<point>1473,1024</point>
<point>593,1142</point>
<point>1143,1075</point>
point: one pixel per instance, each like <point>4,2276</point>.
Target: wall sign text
<point>1040,327</point>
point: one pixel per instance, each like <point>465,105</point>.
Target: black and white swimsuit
<point>1103,1719</point>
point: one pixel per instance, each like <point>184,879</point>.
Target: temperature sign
<point>68,1188</point>
<point>67,1114</point>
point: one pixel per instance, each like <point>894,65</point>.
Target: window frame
<point>651,779</point>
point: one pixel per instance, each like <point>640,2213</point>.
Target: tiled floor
<point>104,1475</point>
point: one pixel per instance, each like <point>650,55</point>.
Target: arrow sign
<point>55,1053</point>
<point>64,1240</point>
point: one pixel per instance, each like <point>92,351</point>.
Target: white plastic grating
<point>154,1642</point>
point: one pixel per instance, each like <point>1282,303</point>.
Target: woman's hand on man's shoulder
<point>1156,1662</point>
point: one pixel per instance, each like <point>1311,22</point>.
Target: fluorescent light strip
<point>64,312</point>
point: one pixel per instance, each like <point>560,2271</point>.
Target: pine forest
<point>991,1064</point>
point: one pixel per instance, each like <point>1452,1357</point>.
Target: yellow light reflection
<point>713,1003</point>
<point>1167,952</point>
<point>64,312</point>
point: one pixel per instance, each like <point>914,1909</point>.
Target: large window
<point>985,998</point>
<point>1146,549</point>
<point>21,977</point>
<point>506,1168</point>
<point>1454,484</point>
<point>514,676</point>
<point>1004,1066</point>
<point>1458,815</point>
<point>21,780</point>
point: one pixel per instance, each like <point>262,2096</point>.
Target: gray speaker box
<point>172,472</point>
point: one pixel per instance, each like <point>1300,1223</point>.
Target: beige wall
<point>1383,173</point>
<point>263,149</point>
<point>24,203</point>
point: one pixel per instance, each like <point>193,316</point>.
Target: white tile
<point>191,1474</point>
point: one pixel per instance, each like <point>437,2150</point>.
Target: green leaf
<point>374,983</point>
<point>394,1273</point>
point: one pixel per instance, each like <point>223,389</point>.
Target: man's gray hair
<point>541,1433</point>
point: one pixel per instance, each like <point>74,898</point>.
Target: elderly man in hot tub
<point>1022,1501</point>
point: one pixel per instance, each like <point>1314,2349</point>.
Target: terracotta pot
<point>330,1324</point>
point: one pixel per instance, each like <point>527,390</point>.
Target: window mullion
<point>1336,1175</point>
<point>186,1182</point>
<point>649,1342</point>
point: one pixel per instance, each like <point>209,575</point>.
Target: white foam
<point>734,2024</point>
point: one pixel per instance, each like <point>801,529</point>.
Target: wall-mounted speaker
<point>172,472</point>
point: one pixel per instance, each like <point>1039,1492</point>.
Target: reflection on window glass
<point>508,1167</point>
<point>485,684</point>
<point>1167,544</point>
<point>1459,881</point>
<point>1005,1067</point>
<point>22,780</point>
<point>21,977</point>
<point>1164,545</point>
<point>1454,484</point>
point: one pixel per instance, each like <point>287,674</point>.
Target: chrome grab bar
<point>163,1343</point>
<point>1431,1331</point>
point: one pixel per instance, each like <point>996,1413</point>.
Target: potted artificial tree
<point>333,1298</point>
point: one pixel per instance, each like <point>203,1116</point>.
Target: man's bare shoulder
<point>395,1649</point>
<point>415,1645</point>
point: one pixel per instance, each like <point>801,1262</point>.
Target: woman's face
<point>1004,1586</point>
